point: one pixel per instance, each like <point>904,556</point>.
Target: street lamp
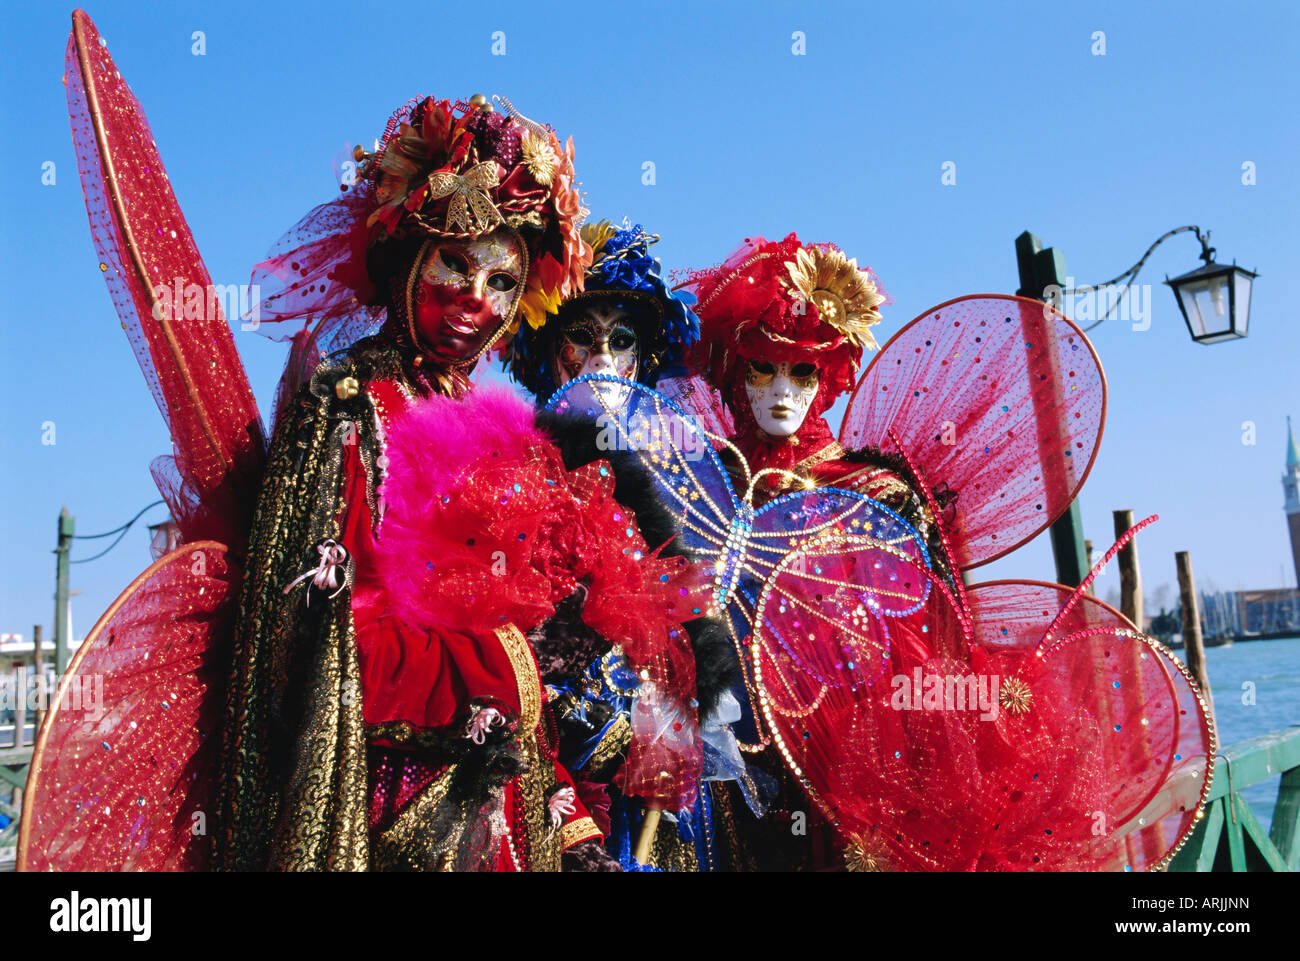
<point>1214,299</point>
<point>1215,302</point>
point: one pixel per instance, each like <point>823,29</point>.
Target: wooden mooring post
<point>1193,648</point>
<point>1130,575</point>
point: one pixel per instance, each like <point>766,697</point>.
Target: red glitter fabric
<point>122,773</point>
<point>166,301</point>
<point>1087,749</point>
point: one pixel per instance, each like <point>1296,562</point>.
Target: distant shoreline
<point>1238,639</point>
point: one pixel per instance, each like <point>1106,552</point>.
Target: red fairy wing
<point>1117,747</point>
<point>827,664</point>
<point>147,253</point>
<point>122,775</point>
<point>1002,399</point>
<point>1014,614</point>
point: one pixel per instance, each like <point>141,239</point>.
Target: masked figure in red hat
<point>784,326</point>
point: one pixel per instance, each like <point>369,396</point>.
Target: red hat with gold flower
<point>785,301</point>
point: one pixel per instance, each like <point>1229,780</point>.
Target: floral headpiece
<point>786,301</point>
<point>441,170</point>
<point>623,268</point>
<point>462,170</point>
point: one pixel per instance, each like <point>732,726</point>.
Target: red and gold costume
<point>280,681</point>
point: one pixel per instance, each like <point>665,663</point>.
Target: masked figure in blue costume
<point>629,325</point>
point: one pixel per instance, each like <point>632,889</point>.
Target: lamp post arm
<point>1133,271</point>
<point>1130,276</point>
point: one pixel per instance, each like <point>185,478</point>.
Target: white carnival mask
<point>780,395</point>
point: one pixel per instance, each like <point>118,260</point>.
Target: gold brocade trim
<point>400,848</point>
<point>575,832</point>
<point>733,852</point>
<point>888,486</point>
<point>613,744</point>
<point>830,452</point>
<point>668,852</point>
<point>533,826</point>
<point>292,789</point>
<point>404,734</point>
<point>527,681</point>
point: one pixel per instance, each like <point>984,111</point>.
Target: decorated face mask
<point>600,339</point>
<point>780,394</point>
<point>464,293</point>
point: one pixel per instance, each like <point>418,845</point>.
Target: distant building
<point>15,652</point>
<point>1291,487</point>
<point>1271,612</point>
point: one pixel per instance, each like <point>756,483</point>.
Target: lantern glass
<point>1215,302</point>
<point>1241,301</point>
<point>1206,303</point>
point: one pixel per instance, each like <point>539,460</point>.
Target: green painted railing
<point>14,764</point>
<point>1229,837</point>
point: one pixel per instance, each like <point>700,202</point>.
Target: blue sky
<point>1099,155</point>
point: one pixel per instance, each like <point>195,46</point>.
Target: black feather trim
<point>717,665</point>
<point>589,856</point>
<point>564,645</point>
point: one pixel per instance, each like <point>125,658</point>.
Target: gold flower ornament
<point>845,297</point>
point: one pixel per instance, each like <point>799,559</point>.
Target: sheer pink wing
<point>122,775</point>
<point>165,299</point>
<point>1141,738</point>
<point>694,395</point>
<point>1000,399</point>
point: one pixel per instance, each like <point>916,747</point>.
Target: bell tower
<point>1291,485</point>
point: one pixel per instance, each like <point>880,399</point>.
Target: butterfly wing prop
<point>745,547</point>
<point>999,399</point>
<point>123,771</point>
<point>165,300</point>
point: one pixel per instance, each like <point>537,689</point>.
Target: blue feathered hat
<point>622,269</point>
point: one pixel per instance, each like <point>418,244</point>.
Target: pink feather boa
<point>482,526</point>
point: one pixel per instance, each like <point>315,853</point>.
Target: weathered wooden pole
<point>38,678</point>
<point>1039,269</point>
<point>1087,551</point>
<point>67,528</point>
<point>1193,649</point>
<point>1130,575</point>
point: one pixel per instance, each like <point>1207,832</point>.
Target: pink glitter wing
<point>147,254</point>
<point>1000,399</point>
<point>122,775</point>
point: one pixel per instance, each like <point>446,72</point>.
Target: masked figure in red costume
<point>348,681</point>
<point>784,326</point>
<point>475,222</point>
